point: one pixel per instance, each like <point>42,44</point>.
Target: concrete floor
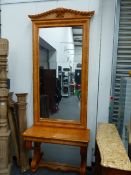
<point>69,109</point>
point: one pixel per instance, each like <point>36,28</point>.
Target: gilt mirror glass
<point>60,67</point>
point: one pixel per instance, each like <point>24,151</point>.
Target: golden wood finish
<point>67,132</point>
<point>65,136</point>
<point>37,157</point>
<point>57,166</point>
<point>72,137</point>
<point>60,18</point>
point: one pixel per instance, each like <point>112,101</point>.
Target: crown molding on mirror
<point>62,13</point>
<point>61,17</point>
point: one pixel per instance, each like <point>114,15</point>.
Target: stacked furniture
<point>18,124</point>
<point>10,130</point>
<point>5,165</point>
<point>65,82</point>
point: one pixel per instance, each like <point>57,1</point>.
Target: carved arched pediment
<point>61,13</point>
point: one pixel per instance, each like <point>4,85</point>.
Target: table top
<point>68,136</point>
<point>112,150</point>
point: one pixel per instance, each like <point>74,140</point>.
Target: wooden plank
<point>58,135</point>
<point>59,166</point>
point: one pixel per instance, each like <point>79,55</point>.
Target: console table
<point>111,156</point>
<point>72,137</point>
<point>46,129</point>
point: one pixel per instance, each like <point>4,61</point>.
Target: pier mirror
<point>60,67</point>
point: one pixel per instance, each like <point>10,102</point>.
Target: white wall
<point>16,26</point>
<point>78,56</point>
<point>106,54</point>
<point>59,38</point>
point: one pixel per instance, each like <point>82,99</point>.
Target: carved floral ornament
<point>61,13</point>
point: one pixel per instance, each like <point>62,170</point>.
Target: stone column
<point>22,120</point>
<point>4,129</point>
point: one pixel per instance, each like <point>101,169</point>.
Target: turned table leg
<point>36,157</point>
<point>28,145</point>
<point>83,152</point>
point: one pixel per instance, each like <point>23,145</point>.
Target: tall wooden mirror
<point>60,84</point>
<point>60,67</point>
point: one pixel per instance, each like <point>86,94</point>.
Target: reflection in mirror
<point>60,62</point>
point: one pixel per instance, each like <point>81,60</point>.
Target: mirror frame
<point>61,17</point>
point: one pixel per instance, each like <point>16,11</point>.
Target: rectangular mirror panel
<point>60,64</point>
